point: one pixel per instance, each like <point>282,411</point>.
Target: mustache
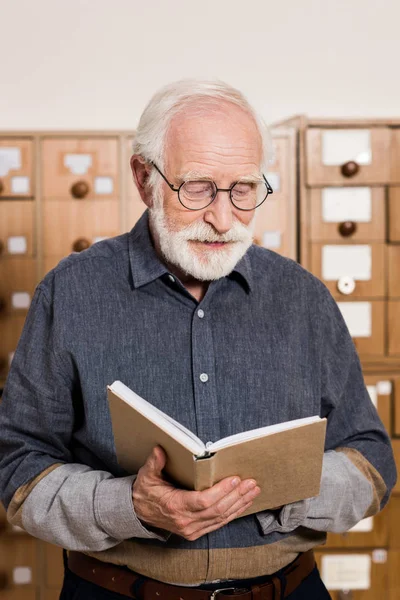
<point>204,232</point>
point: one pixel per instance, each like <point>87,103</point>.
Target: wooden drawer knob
<point>347,228</point>
<point>80,244</point>
<point>350,168</point>
<point>1,187</point>
<point>80,189</point>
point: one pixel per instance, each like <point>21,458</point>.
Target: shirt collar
<point>146,266</point>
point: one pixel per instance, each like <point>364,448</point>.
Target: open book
<point>285,459</point>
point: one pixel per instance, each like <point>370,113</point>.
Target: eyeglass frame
<point>217,189</point>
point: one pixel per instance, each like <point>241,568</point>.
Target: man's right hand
<point>189,514</point>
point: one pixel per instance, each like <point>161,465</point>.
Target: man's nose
<point>219,213</point>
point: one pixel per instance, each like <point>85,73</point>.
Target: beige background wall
<point>95,63</point>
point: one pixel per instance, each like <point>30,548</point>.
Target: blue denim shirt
<point>272,342</point>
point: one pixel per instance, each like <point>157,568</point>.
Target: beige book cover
<point>285,459</point>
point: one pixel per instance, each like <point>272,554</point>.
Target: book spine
<point>204,472</point>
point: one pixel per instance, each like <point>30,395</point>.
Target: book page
<point>178,431</point>
<point>253,434</point>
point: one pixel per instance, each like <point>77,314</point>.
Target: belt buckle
<point>229,589</point>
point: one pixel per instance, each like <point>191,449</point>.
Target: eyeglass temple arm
<point>163,176</point>
<point>269,188</point>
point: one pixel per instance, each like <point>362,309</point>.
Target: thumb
<point>156,460</point>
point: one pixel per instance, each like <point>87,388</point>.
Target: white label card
<point>384,388</point>
<point>373,394</point>
<point>352,261</point>
<point>22,575</point>
<point>10,159</point>
<point>103,185</point>
<point>20,185</point>
<point>364,526</point>
<point>271,239</point>
<point>358,317</point>
<point>342,145</point>
<point>20,300</point>
<point>274,180</point>
<point>17,244</point>
<point>346,571</point>
<point>346,204</point>
<point>78,164</point>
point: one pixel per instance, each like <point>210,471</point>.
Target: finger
<point>156,461</point>
<point>204,529</point>
<point>230,504</point>
<point>197,501</point>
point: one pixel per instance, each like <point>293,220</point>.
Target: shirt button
<point>204,377</point>
<point>200,313</point>
<point>171,278</point>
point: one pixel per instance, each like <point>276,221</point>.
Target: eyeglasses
<point>197,194</point>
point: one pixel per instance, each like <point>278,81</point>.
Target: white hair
<point>151,133</point>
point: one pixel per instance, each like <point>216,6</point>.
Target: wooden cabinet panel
<point>393,259</point>
<point>395,155</point>
<point>372,345</point>
<point>394,214</point>
<point>372,288</point>
<point>348,226</point>
<point>394,574</point>
<point>379,576</point>
<point>75,166</point>
<point>394,327</point>
<point>396,452</point>
<point>16,168</point>
<point>18,562</point>
<point>17,283</point>
<point>17,226</point>
<point>396,404</point>
<point>377,172</point>
<point>54,566</point>
<point>66,222</point>
<point>275,225</point>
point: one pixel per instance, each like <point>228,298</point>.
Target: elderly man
<point>220,334</point>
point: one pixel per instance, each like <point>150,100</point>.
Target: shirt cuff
<point>287,519</point>
<point>118,519</point>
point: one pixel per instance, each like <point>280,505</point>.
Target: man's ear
<point>141,171</point>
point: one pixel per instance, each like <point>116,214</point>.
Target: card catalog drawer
<point>361,575</point>
<point>381,389</point>
<point>18,560</point>
<point>347,214</point>
<point>393,509</point>
<point>394,214</point>
<point>275,226</point>
<point>348,156</point>
<point>393,255</point>
<point>396,425</point>
<point>395,156</point>
<point>20,593</point>
<point>396,452</point>
<point>80,168</point>
<point>10,332</point>
<point>350,270</point>
<point>54,565</point>
<point>74,226</point>
<point>16,168</point>
<point>394,327</point>
<point>366,323</point>
<point>369,532</point>
<point>17,284</point>
<point>17,225</point>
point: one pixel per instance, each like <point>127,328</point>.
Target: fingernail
<point>251,485</point>
<point>235,482</point>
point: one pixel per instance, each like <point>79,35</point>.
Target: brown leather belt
<point>130,584</point>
